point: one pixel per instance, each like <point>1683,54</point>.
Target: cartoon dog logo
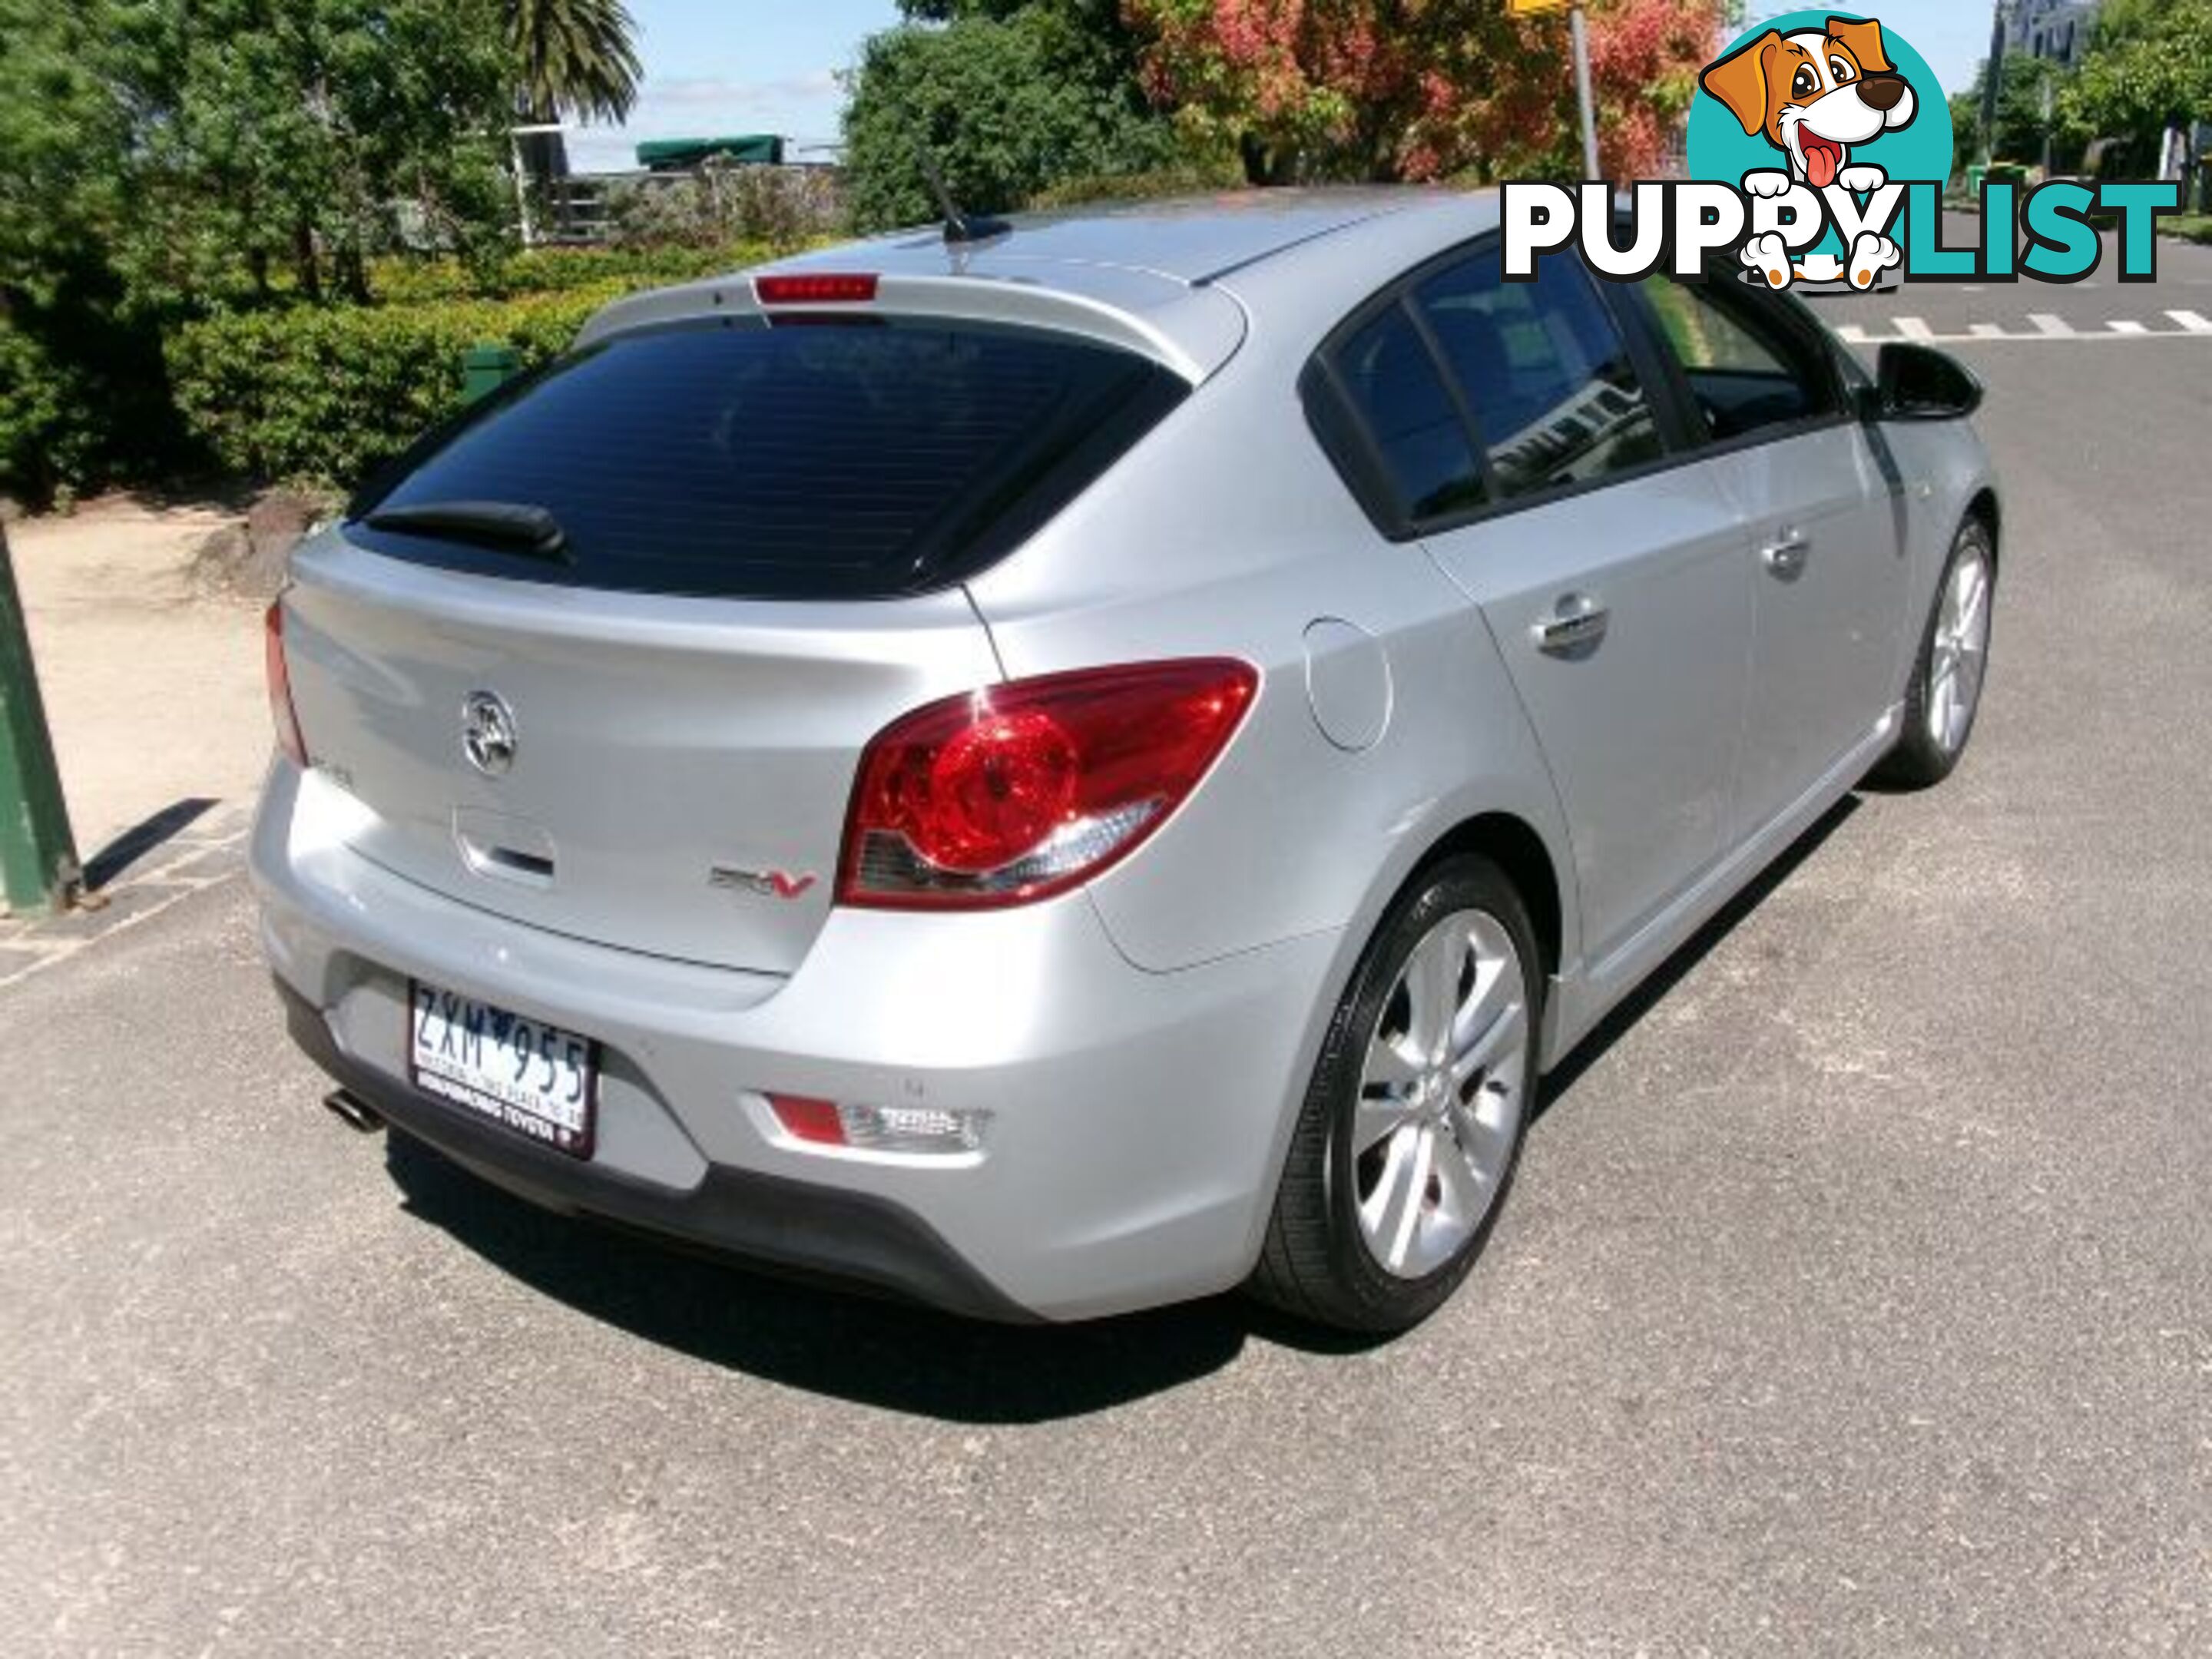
<point>1815,95</point>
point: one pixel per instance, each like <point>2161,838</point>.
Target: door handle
<point>1784,556</point>
<point>1577,621</point>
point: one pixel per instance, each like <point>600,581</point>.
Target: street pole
<point>38,857</point>
<point>2049,81</point>
<point>1583,90</point>
<point>1992,82</point>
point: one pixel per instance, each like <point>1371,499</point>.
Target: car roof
<point>1189,240</point>
<point>1142,275</point>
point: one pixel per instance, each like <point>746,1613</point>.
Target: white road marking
<point>2190,326</point>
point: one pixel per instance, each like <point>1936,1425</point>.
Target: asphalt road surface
<point>1856,1297</point>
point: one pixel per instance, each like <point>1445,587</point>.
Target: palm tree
<point>578,58</point>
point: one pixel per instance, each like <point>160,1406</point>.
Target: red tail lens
<point>280,687</point>
<point>1025,790</point>
<point>808,1120</point>
<point>814,290</point>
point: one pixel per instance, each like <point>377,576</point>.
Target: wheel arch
<point>1984,507</point>
<point>1511,844</point>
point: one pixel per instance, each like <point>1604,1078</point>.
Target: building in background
<point>2057,31</point>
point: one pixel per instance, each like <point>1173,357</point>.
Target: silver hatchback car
<point>1077,770</point>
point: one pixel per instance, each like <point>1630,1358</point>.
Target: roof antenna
<point>959,227</point>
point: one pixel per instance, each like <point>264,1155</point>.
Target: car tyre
<point>1948,675</point>
<point>1412,1127</point>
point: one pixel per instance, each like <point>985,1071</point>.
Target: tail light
<point>280,688</point>
<point>1016,793</point>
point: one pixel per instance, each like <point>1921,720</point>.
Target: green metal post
<point>38,858</point>
<point>486,367</point>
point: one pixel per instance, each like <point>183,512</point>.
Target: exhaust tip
<point>354,1113</point>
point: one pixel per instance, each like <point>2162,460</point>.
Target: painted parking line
<point>2189,326</point>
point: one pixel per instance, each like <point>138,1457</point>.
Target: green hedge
<point>322,395</point>
<point>555,270</point>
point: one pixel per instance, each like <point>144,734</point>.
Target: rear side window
<point>1390,376</point>
<point>1546,371</point>
<point>1745,370</point>
<point>814,457</point>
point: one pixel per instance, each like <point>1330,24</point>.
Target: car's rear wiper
<point>514,527</point>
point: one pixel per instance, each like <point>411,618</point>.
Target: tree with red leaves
<point>1422,89</point>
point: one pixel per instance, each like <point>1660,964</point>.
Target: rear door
<point>604,659</point>
<point>1827,562</point>
<point>1540,474</point>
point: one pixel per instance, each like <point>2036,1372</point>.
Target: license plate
<point>523,1074</point>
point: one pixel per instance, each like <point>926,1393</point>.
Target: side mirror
<point>1919,383</point>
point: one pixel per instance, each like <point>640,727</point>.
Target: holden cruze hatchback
<point>1098,765</point>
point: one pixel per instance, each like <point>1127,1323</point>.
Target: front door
<point>1826,560</point>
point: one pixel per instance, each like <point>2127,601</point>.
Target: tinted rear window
<point>812,459</point>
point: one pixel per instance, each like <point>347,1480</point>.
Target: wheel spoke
<point>1466,1187</point>
<point>1432,987</point>
<point>1378,1118</point>
<point>1389,1063</point>
<point>1500,1039</point>
<point>1971,600</point>
<point>1487,1144</point>
<point>1393,1211</point>
<point>1967,682</point>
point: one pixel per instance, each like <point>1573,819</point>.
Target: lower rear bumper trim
<point>795,1227</point>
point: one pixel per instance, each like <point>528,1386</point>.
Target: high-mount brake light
<point>815,289</point>
<point>288,737</point>
<point>1021,791</point>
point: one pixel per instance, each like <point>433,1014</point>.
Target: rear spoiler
<point>1190,330</point>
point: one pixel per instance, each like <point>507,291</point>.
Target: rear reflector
<point>813,290</point>
<point>808,1120</point>
<point>288,738</point>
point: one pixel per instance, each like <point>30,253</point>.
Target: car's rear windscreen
<point>814,457</point>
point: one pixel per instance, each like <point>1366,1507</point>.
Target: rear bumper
<point>1136,1120</point>
<point>778,1223</point>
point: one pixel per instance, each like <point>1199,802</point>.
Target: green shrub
<point>556,270</point>
<point>82,398</point>
<point>323,395</point>
<point>1189,178</point>
<point>47,435</point>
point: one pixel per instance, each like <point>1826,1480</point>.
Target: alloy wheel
<point>1441,1095</point>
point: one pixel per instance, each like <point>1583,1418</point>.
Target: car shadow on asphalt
<point>828,1339</point>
